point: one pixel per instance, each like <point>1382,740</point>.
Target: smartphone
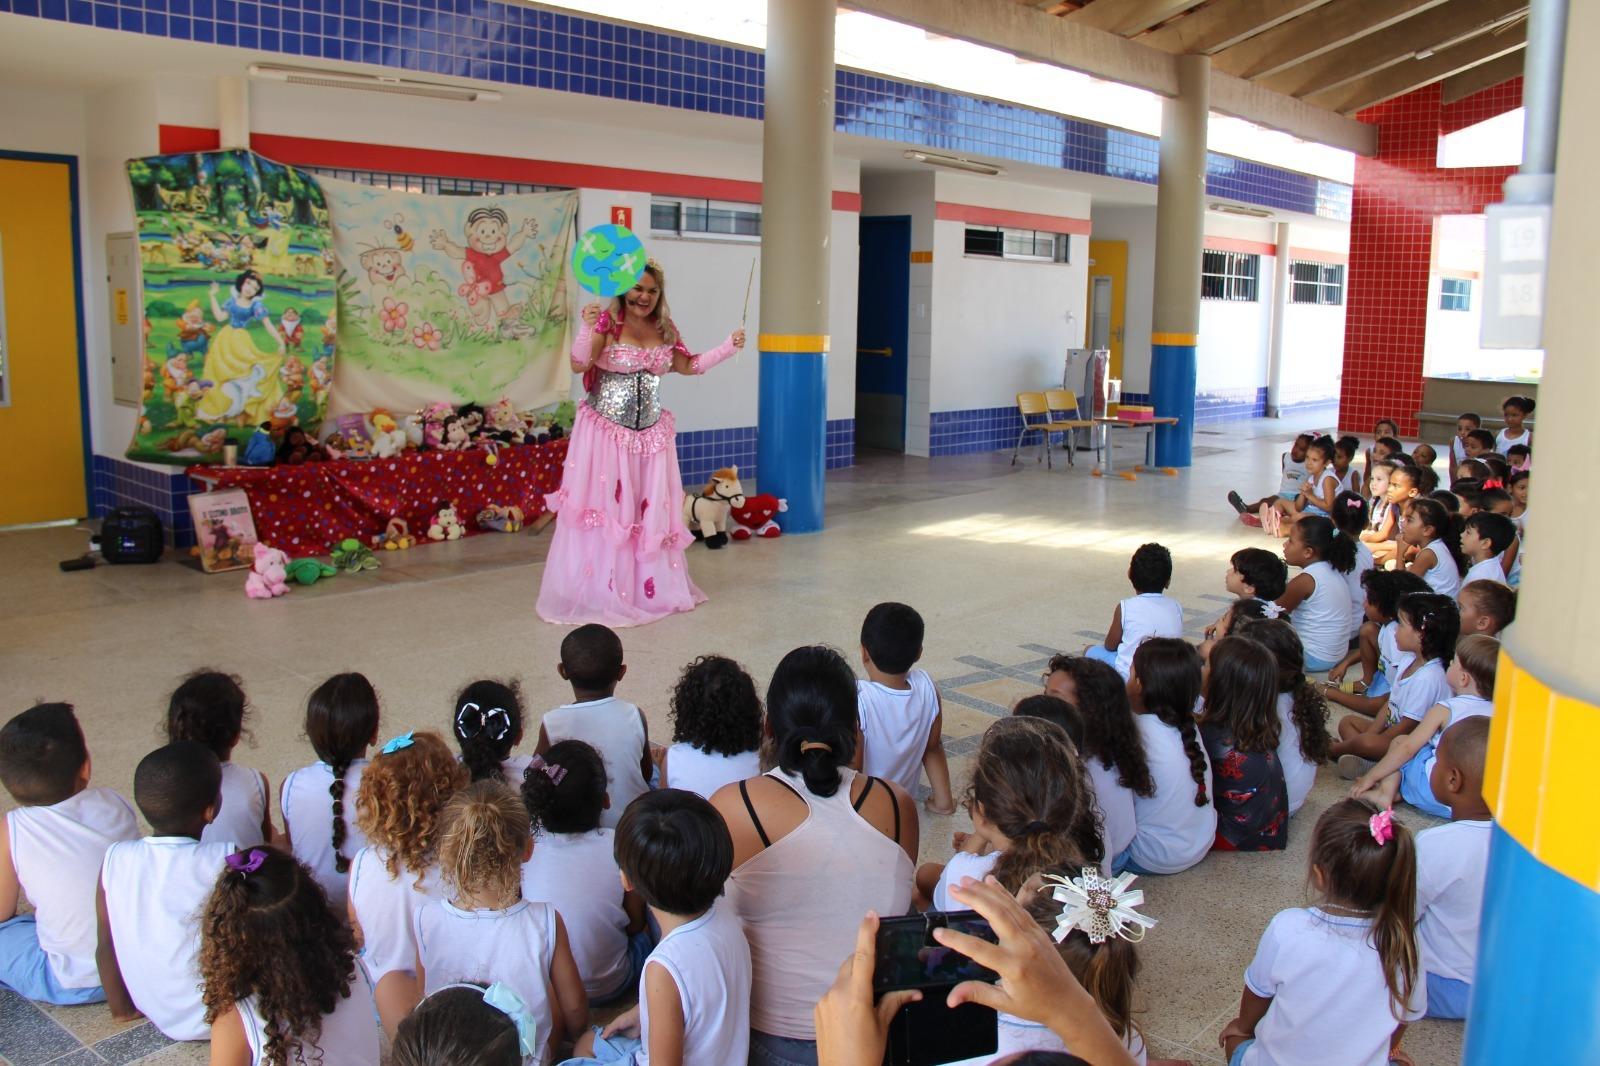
<point>909,957</point>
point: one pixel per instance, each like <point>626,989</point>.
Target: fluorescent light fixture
<point>1235,209</point>
<point>372,83</point>
<point>954,162</point>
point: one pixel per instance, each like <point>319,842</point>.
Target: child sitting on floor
<point>1240,730</point>
<point>1405,484</point>
<point>341,723</point>
<point>1429,624</point>
<point>466,1023</point>
<point>902,719</point>
<point>574,871</point>
<point>1316,494</point>
<point>209,708</point>
<point>1293,465</point>
<point>694,997</point>
<point>1427,528</point>
<point>52,845</point>
<point>716,727</point>
<point>1465,423</point>
<point>1318,599</point>
<point>1350,516</point>
<point>1256,573</point>
<point>1376,650</point>
<point>1302,714</point>
<point>488,727</point>
<point>1151,613</point>
<point>151,889</point>
<point>1485,537</point>
<point>591,662</point>
<point>1177,824</point>
<point>1487,607</point>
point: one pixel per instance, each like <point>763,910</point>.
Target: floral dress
<point>1252,799</point>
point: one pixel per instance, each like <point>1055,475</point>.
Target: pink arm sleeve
<point>582,346</point>
<point>699,364</point>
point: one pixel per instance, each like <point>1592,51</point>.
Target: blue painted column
<point>796,223</point>
<point>1180,234</point>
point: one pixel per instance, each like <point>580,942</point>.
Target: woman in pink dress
<point>617,557</point>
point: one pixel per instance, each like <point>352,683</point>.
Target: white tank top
<point>57,852</point>
<point>244,806</point>
<point>961,864</point>
<point>802,898</point>
<point>709,960</point>
<point>576,874</point>
<point>515,946</point>
<point>155,890</point>
<point>894,728</point>
<point>1298,774</point>
<point>1149,614</point>
<point>1503,443</point>
<point>1323,618</point>
<point>703,773</point>
<point>1444,577</point>
<point>387,909</point>
<point>307,809</point>
<point>614,729</point>
<point>349,1037</point>
<point>1115,801</point>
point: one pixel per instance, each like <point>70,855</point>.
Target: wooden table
<point>1106,424</point>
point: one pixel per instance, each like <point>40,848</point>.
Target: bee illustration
<point>401,237</point>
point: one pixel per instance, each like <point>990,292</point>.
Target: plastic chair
<point>1067,400</point>
<point>1030,405</point>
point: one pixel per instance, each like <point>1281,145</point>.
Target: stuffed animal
<point>432,419</point>
<point>388,439</point>
<point>309,571</point>
<point>352,556</point>
<point>396,536</point>
<point>456,437</point>
<point>502,422</point>
<point>754,519</point>
<point>446,525</point>
<point>261,448</point>
<point>267,576</point>
<point>500,519</point>
<point>706,514</point>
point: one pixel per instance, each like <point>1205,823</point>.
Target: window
<point>1229,276</point>
<point>1316,283</point>
<point>425,183</point>
<point>1001,243</point>
<point>705,218</point>
<point>1455,294</point>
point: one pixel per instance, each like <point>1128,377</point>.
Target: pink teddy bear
<point>269,576</point>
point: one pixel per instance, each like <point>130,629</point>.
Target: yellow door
<point>1108,300</point>
<point>41,419</point>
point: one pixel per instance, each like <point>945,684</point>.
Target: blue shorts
<point>612,1049</point>
<point>640,945</point>
<point>1416,790</point>
<point>25,968</point>
<point>1124,862</point>
<point>1315,665</point>
<point>1238,1052</point>
<point>1447,997</point>
<point>1101,654</point>
<point>1380,684</point>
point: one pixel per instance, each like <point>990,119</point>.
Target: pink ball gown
<point>617,556</point>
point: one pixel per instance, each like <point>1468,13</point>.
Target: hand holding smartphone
<point>908,958</point>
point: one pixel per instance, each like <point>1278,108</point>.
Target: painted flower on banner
<point>427,337</point>
<point>393,315</point>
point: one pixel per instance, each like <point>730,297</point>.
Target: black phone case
<point>928,1032</point>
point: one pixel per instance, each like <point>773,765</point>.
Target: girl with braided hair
<point>318,801</point>
<point>1176,825</point>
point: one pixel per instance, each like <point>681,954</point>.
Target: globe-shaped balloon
<point>608,260</point>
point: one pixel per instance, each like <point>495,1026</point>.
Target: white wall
<point>1313,352</point>
<point>1137,226</point>
<point>1234,335</point>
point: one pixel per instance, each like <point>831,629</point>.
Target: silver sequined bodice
<point>632,401</point>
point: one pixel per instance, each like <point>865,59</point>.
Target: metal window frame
<point>683,203</point>
<point>1240,276</point>
<point>1327,287</point>
<point>1060,244</point>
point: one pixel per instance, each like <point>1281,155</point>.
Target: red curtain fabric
<point>308,508</point>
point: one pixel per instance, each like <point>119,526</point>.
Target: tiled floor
<point>1005,563</point>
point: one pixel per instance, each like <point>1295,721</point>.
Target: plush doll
<point>352,556</point>
<point>388,439</point>
<point>500,519</point>
<point>268,577</point>
<point>298,447</point>
<point>432,419</point>
<point>446,525</point>
<point>261,449</point>
<point>706,512</point>
<point>456,436</point>
<point>755,518</point>
<point>502,422</point>
<point>309,571</point>
<point>396,536</point>
<point>471,416</point>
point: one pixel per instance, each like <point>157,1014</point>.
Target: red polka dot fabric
<point>308,508</point>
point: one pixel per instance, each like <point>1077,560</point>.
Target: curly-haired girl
<point>485,930</point>
<point>574,869</point>
<point>341,723</point>
<point>209,708</point>
<point>398,807</point>
<point>1302,713</point>
<point>1177,824</point>
<point>716,727</point>
<point>488,727</point>
<point>279,970</point>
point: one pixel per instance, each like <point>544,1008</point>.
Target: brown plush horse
<point>706,514</point>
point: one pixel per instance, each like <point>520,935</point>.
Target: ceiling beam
<point>1220,25</point>
<point>1024,32</point>
<point>1460,86</point>
<point>1404,77</point>
<point>1312,34</point>
<point>1128,17</point>
<point>1426,32</point>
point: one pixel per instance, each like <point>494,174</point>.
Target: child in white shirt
<point>1514,410</point>
<point>675,852</point>
<point>209,708</point>
<point>1465,423</point>
<point>1484,539</point>
<point>51,847</point>
<point>487,725</point>
<point>1177,824</point>
<point>716,727</point>
<point>317,800</point>
<point>1151,613</point>
<point>902,719</point>
<point>591,662</point>
<point>573,870</point>
<point>1302,714</point>
<point>1426,640</point>
<point>151,890</point>
<point>1335,983</point>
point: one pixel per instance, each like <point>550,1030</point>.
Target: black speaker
<point>132,534</point>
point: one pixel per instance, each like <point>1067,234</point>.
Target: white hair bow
<point>1271,609</point>
<point>1102,908</point>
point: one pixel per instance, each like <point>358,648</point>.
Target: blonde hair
<point>1479,655</point>
<point>485,839</point>
<point>659,315</point>
<point>402,797</point>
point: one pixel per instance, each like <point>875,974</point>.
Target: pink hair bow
<point>1493,483</point>
<point>1381,826</point>
<point>551,770</point>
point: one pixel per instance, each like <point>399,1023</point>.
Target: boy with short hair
<point>1466,422</point>
<point>1478,443</point>
<point>1487,607</point>
<point>51,846</point>
<point>151,889</point>
<point>1452,863</point>
<point>674,850</point>
<point>591,662</point>
<point>1151,613</point>
<point>902,717</point>
<point>1256,573</point>
<point>1485,537</point>
<point>1293,464</point>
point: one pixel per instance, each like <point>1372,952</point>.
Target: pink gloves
<point>699,364</point>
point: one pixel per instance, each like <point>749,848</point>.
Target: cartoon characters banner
<point>450,299</point>
<point>240,302</point>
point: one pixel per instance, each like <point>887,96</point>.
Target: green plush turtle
<point>309,571</point>
<point>352,556</point>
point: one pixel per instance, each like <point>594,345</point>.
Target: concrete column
<point>233,111</point>
<point>1537,983</point>
<point>796,220</point>
<point>1180,232</point>
<point>1280,307</point>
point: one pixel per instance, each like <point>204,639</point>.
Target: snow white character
<point>234,355</point>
